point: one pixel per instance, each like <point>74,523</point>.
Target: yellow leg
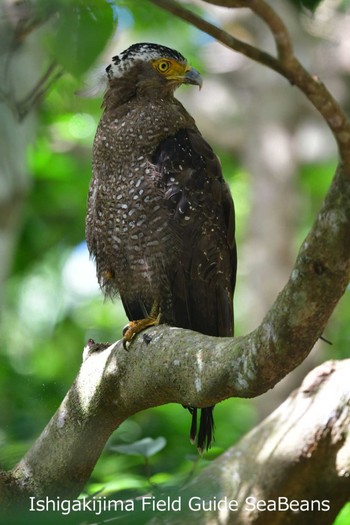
<point>135,327</point>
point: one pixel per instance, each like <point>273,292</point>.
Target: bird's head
<point>152,66</point>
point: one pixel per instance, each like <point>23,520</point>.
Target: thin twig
<point>21,108</point>
<point>286,65</point>
<point>270,17</point>
<point>219,34</point>
<point>42,87</point>
<point>41,82</point>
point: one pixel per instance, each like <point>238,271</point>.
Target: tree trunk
<point>300,453</point>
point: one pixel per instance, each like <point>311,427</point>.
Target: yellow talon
<point>135,327</point>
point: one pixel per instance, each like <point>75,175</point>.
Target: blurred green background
<point>277,157</point>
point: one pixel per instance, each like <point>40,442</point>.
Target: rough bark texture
<point>302,450</point>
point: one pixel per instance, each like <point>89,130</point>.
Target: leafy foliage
<point>49,314</point>
<point>82,29</point>
<point>312,5</point>
<point>308,4</point>
<point>344,516</point>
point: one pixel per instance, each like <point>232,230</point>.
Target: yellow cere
<point>171,69</point>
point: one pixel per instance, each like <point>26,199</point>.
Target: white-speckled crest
<point>97,80</point>
<point>145,51</point>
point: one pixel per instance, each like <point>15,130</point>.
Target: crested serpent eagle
<point>160,219</point>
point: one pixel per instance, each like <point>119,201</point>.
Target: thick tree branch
<point>174,365</point>
<point>300,453</point>
<point>190,368</point>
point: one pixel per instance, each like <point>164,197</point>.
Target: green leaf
<point>124,482</point>
<point>212,453</point>
<point>160,478</point>
<point>343,517</point>
<point>308,4</point>
<point>83,29</point>
<point>146,447</point>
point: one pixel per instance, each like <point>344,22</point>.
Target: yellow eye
<point>163,66</point>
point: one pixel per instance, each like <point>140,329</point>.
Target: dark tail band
<point>205,434</point>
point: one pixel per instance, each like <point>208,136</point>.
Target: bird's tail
<point>206,428</point>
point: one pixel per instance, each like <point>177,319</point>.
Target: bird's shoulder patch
<point>189,172</point>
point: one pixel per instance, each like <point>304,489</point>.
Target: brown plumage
<point>160,221</point>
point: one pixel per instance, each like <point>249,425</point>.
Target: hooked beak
<point>192,76</point>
